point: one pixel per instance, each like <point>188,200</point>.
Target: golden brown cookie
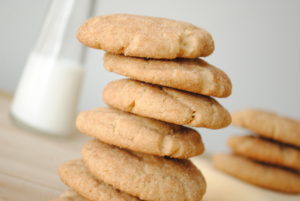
<point>193,75</point>
<point>145,176</point>
<point>263,175</point>
<point>141,36</point>
<point>166,104</point>
<point>140,134</point>
<point>265,151</point>
<point>269,125</point>
<point>70,195</point>
<point>75,175</point>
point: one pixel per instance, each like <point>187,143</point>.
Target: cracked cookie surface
<point>140,134</point>
<point>141,36</point>
<point>166,104</point>
<point>145,176</point>
<point>193,75</point>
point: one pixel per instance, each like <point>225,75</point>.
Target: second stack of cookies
<point>270,156</point>
<point>141,147</point>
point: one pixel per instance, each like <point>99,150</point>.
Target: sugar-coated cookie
<point>166,104</point>
<point>269,125</point>
<point>140,134</point>
<point>266,151</point>
<point>141,36</point>
<point>145,176</point>
<point>263,175</point>
<point>193,75</point>
<point>76,175</point>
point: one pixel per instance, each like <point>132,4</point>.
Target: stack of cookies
<point>140,148</point>
<point>271,157</point>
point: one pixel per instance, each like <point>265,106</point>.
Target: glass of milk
<point>47,95</point>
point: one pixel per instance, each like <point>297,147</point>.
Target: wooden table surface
<point>29,162</point>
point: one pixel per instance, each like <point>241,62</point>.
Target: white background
<point>257,44</point>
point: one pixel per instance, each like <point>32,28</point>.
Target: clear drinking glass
<point>47,94</point>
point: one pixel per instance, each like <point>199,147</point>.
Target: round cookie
<point>269,125</point>
<point>266,176</point>
<point>193,75</point>
<point>145,176</point>
<point>70,195</point>
<point>140,134</point>
<point>141,36</point>
<point>76,175</point>
<point>166,104</point>
<point>265,151</point>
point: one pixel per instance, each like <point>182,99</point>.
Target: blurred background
<point>257,45</point>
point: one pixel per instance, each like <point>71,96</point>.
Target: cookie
<point>166,104</point>
<point>70,195</point>
<point>193,75</point>
<point>76,175</point>
<point>141,36</point>
<point>263,175</point>
<point>269,125</point>
<point>145,176</point>
<point>265,151</point>
<point>140,134</point>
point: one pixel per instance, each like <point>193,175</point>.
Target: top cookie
<point>141,36</point>
<point>193,75</point>
<point>269,125</point>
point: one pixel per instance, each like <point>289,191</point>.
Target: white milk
<point>47,95</point>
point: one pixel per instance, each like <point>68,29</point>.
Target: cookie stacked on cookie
<point>141,147</point>
<point>271,158</point>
